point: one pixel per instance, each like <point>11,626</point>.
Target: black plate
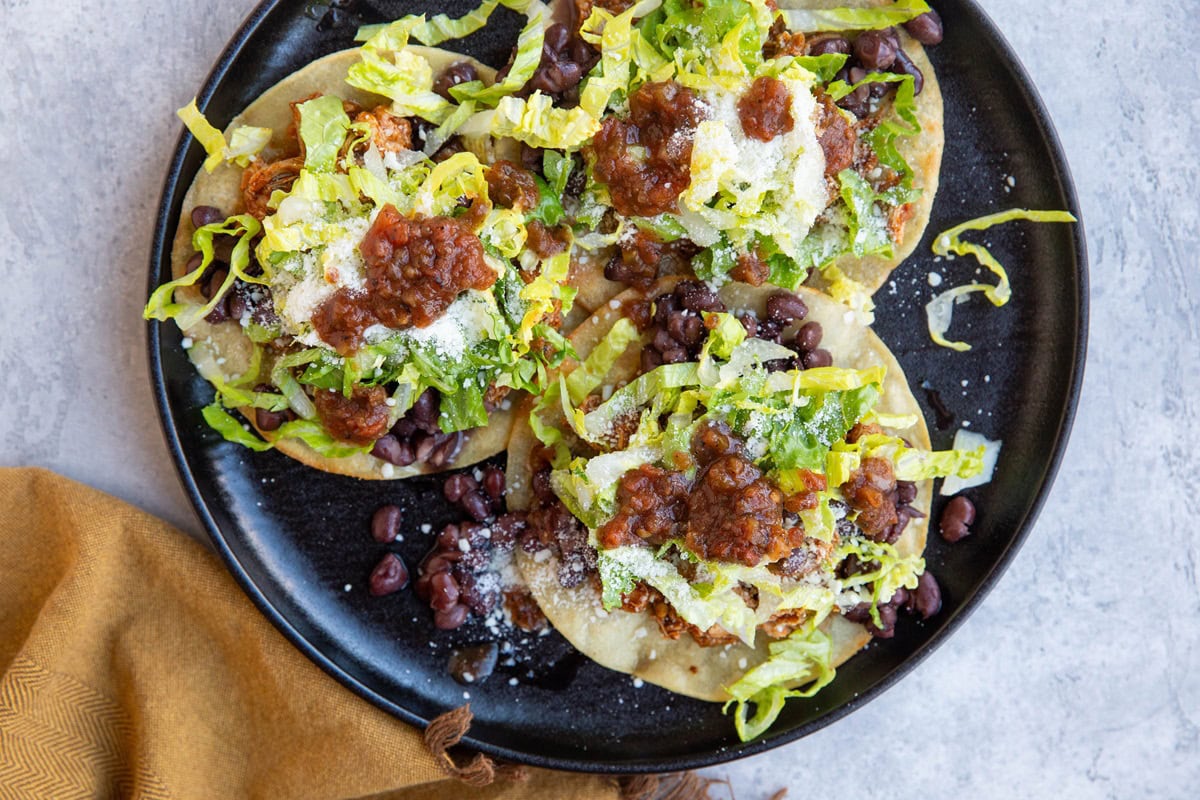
<point>294,537</point>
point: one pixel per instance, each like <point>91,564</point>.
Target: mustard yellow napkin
<point>131,665</point>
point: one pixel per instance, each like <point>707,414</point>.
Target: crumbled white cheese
<point>776,187</point>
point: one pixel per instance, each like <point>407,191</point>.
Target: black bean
<point>493,482</point>
<point>926,29</point>
<point>211,286</point>
<point>663,341</point>
<point>423,444</point>
<point>665,305</point>
<point>818,358</point>
<point>237,304</point>
<point>860,613</point>
<point>424,412</point>
<point>446,449</point>
<point>477,536</point>
<point>393,451</point>
<point>439,560</point>
<point>267,420</point>
<point>390,575</point>
<point>194,262</point>
<point>220,311</point>
<point>542,489</point>
<point>530,543</point>
<point>223,245</point>
<point>448,538</point>
<point>473,664</point>
<point>906,492</point>
<point>206,215</point>
<point>404,428</point>
<point>957,518</point>
<point>770,330</point>
<point>451,618</point>
<point>875,50</point>
<point>385,523</point>
<point>750,324</point>
<point>900,598</point>
<point>443,591</point>
<point>475,594</point>
<point>556,77</point>
<point>857,102</point>
<point>887,619</point>
<point>476,506</point>
<point>453,75</point>
<point>651,358</point>
<point>532,158</point>
<point>617,270</point>
<point>676,355</point>
<point>506,529</point>
<point>826,45</point>
<point>458,485</point>
<point>905,66</point>
<point>557,36</point>
<point>785,307</point>
<point>472,561</point>
<point>696,296</point>
<point>582,53</point>
<point>809,336</point>
<point>676,329</point>
<point>927,599</point>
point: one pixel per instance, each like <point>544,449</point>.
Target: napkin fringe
<point>446,731</point>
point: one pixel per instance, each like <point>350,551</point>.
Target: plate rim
<point>160,256</point>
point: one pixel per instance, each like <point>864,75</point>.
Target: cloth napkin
<point>131,665</point>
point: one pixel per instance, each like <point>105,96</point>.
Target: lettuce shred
<point>811,20</point>
<point>939,311</point>
<point>805,657</point>
<point>244,141</point>
<point>162,304</point>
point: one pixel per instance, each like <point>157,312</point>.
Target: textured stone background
<point>1080,674</point>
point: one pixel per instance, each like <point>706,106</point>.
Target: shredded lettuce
<point>939,311</point>
<point>537,122</point>
<point>323,127</point>
<point>162,304</point>
<point>811,20</point>
<point>524,64</point>
<point>965,440</point>
<point>591,373</point>
<point>245,141</point>
<point>805,657</point>
<point>388,68</point>
<point>211,139</point>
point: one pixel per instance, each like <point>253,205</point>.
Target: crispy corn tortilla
<point>632,643</point>
<point>223,350</point>
<point>923,152</point>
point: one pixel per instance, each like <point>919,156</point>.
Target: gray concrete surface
<point>1080,675</point>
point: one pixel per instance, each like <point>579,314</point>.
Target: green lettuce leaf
<point>939,311</point>
<point>525,63</point>
<point>162,304</point>
<point>323,127</point>
<point>804,657</point>
<point>808,20</point>
<point>211,139</point>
